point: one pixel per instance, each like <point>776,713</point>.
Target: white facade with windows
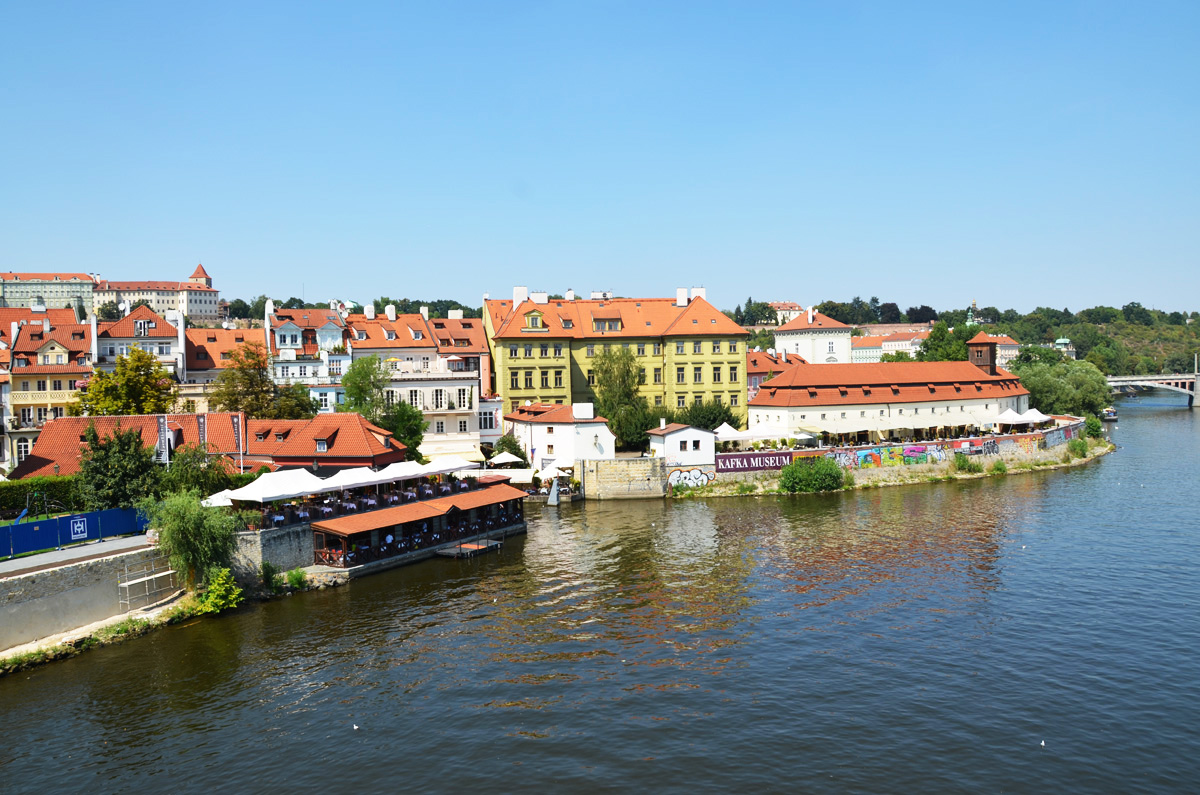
<point>683,445</point>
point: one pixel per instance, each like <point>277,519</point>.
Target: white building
<point>683,445</point>
<point>560,434</point>
<point>196,297</point>
<point>144,329</point>
<point>815,338</point>
<point>308,346</point>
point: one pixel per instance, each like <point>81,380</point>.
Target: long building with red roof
<point>195,296</point>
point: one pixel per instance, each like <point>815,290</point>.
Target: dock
<point>469,549</point>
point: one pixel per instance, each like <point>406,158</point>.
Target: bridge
<point>1187,383</point>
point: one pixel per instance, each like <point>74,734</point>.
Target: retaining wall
<point>286,547</point>
<point>622,478</point>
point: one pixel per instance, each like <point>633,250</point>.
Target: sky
<point>1017,154</point>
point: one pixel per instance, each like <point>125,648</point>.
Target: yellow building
<point>47,364</point>
<point>544,349</point>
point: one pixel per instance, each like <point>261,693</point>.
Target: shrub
<point>847,480</point>
<point>999,467</point>
<point>272,580</point>
<point>297,579</point>
<point>61,490</point>
<point>965,465</point>
<point>811,474</point>
<point>222,592</point>
<point>745,488</point>
<point>1093,427</point>
<point>1077,447</point>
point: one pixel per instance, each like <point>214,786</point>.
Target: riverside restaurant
<point>361,515</point>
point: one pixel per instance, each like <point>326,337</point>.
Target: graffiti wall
<point>692,477</point>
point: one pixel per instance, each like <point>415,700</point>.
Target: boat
<point>1109,414</point>
<point>553,498</point>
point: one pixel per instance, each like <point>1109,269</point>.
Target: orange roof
<point>10,276</point>
<point>306,318</point>
<point>790,306</point>
<point>273,433</point>
<point>75,337</point>
<point>867,342</point>
<point>215,344</point>
<point>670,428</point>
<point>418,511</point>
<point>459,335</point>
<point>905,336</point>
<point>200,273</point>
<point>61,440</point>
<point>548,413</point>
<point>894,382</point>
<point>800,323</point>
<point>998,339</point>
<point>127,326</point>
<point>404,331</point>
<point>981,337</point>
<point>762,363</point>
<point>162,286</point>
<point>15,314</point>
<point>345,436</point>
<point>636,317</point>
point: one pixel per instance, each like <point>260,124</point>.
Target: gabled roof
<point>786,306</point>
<point>997,339</point>
<point>306,318</point>
<point>405,329</point>
<point>867,342</point>
<point>674,427</point>
<point>159,286</point>
<point>60,441</point>
<point>75,337</point>
<point>15,314</point>
<point>884,382</point>
<point>345,436</point>
<point>800,323</point>
<point>126,327</point>
<point>456,336</point>
<point>214,342</point>
<point>200,273</point>
<point>638,317</point>
<point>549,413</point>
<point>761,362</point>
<point>418,511</point>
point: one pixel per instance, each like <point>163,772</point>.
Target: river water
<point>924,638</point>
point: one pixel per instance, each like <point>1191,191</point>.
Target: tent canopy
<point>280,485</point>
<point>505,458</point>
<point>218,500</point>
<point>1033,415</point>
<point>1010,417</point>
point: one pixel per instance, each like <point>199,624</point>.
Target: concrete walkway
<point>59,557</point>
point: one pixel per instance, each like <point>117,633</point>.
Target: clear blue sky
<point>1015,153</point>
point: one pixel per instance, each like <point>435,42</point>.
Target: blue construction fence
<point>17,539</point>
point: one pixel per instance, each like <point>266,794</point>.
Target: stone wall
<point>622,478</point>
<point>286,547</point>
<point>44,603</point>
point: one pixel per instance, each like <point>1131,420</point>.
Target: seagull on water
<point>1043,741</point>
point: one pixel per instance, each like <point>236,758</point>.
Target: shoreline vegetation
<point>185,606</point>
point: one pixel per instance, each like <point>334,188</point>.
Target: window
<point>323,399</point>
<point>822,416</point>
<point>285,371</point>
<point>41,415</point>
<point>681,375</point>
<point>529,351</point>
<point>679,348</point>
<point>558,349</point>
<point>658,400</point>
<point>27,416</point>
<point>718,398</point>
<point>733,374</point>
<point>545,379</point>
<point>514,379</point>
<point>695,444</point>
<point>24,386</point>
<point>322,447</point>
<point>487,421</point>
<point>414,398</point>
<point>545,350</point>
<point>46,358</point>
<point>22,449</point>
<point>549,449</point>
<point>294,340</point>
<point>681,401</point>
<point>534,321</point>
<point>697,399</point>
<point>843,415</point>
<point>716,346</point>
<point>697,375</point>
<point>464,397</point>
<point>591,349</point>
<point>550,430</point>
<point>462,426</point>
<point>58,357</point>
<point>304,371</point>
<point>716,375</point>
<point>529,379</point>
<point>439,427</point>
<point>558,382</point>
<point>658,349</point>
<point>57,385</point>
<point>41,386</point>
<point>658,375</point>
<point>641,349</point>
<point>389,397</point>
<point>55,413</point>
<point>335,366</point>
<point>591,377</point>
<point>733,346</point>
<point>512,351</point>
<point>683,445</point>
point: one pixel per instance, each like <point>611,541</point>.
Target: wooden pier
<point>469,549</point>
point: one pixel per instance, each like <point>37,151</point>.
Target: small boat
<point>1109,414</point>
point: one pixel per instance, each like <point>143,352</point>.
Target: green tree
<point>816,473</point>
<point>943,346</point>
<point>1031,354</point>
<point>116,471</point>
<point>889,313</point>
<point>1068,387</point>
<point>108,311</point>
<point>239,309</point>
<point>364,382</point>
<point>921,314</point>
<point>407,425</point>
<point>509,444</point>
<point>293,403</point>
<point>896,356</point>
<point>1137,314</point>
<point>258,307</point>
<point>245,384</point>
<point>196,469</point>
<point>198,541</point>
<point>617,400</point>
<point>708,415</point>
<point>138,385</point>
<point>140,302</point>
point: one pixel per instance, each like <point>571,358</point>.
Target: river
<point>925,638</point>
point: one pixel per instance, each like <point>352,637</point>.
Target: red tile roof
<point>867,342</point>
<point>999,339</point>
<point>404,329</point>
<point>763,363</point>
<point>790,306</point>
<point>200,273</point>
<point>639,317</point>
<point>306,318</point>
<point>895,382</point>
<point>160,286</point>
<point>669,429</point>
<point>346,436</point>
<point>126,327</point>
<point>549,413</point>
<point>418,511</point>
<point>459,336</point>
<point>60,440</point>
<point>10,276</point>
<point>800,323</point>
<point>213,343</point>
<point>15,314</point>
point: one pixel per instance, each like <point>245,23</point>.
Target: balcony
<point>43,397</point>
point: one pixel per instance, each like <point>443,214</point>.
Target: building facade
<point>816,338</point>
<point>195,297</point>
<point>559,435</point>
<point>48,290</point>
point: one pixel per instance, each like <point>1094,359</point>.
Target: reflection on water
<point>909,638</point>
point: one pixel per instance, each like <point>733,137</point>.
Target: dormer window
<point>322,446</point>
<point>279,437</point>
<point>261,437</point>
<point>568,323</point>
<point>533,320</point>
<point>391,335</point>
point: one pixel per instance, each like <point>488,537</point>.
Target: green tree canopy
<point>245,384</point>
<point>116,471</point>
<point>509,444</point>
<point>1066,387</point>
<point>293,402</point>
<point>708,415</point>
<point>943,346</point>
<point>617,400</point>
<point>239,309</point>
<point>138,385</point>
<point>407,424</point>
<point>896,356</point>
<point>198,541</point>
<point>364,382</point>
<point>193,467</point>
<point>108,311</point>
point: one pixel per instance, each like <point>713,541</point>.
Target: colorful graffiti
<point>693,477</point>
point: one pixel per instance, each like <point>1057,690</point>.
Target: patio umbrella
<point>549,472</point>
<point>218,500</point>
<point>504,458</point>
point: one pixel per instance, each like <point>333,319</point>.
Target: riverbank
<point>1014,463</point>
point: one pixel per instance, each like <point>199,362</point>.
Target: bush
<point>62,490</point>
<point>745,488</point>
<point>1077,447</point>
<point>271,578</point>
<point>848,480</point>
<point>222,592</point>
<point>297,579</point>
<point>965,465</point>
<point>999,467</point>
<point>811,474</point>
<point>1093,427</point>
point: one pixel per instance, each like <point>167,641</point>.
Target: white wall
<point>814,345</point>
<point>668,447</point>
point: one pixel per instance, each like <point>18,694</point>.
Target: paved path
<point>75,554</point>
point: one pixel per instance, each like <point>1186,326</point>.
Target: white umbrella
<point>549,472</point>
<point>218,500</point>
<point>505,458</point>
<point>1033,415</point>
<point>725,431</point>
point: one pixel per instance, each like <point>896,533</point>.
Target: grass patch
<point>999,467</point>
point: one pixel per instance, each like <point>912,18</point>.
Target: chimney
<point>95,339</point>
<point>540,297</point>
<point>662,423</point>
<point>520,295</point>
<point>570,294</point>
<point>268,310</point>
<point>681,298</point>
<point>14,327</point>
<point>369,311</point>
<point>46,325</point>
<point>699,292</point>
<point>425,312</point>
<point>390,312</point>
<point>812,313</point>
<point>454,314</point>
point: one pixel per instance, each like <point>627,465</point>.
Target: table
<point>278,518</point>
<point>302,514</point>
<point>325,509</point>
<point>371,502</point>
<point>349,506</point>
<point>393,499</point>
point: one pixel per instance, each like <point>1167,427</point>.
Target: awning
<point>218,500</point>
<point>417,511</point>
